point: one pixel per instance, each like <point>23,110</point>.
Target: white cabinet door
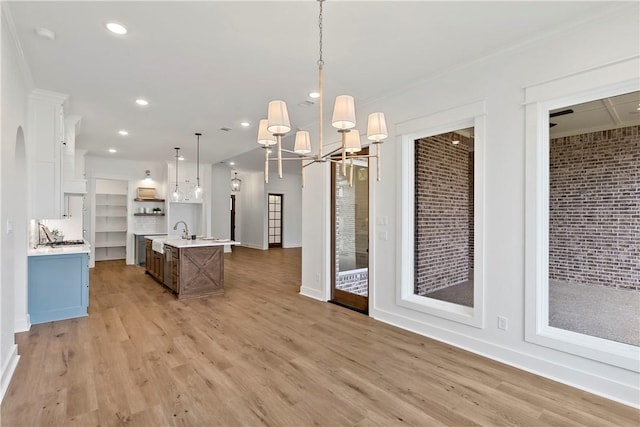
<point>46,139</point>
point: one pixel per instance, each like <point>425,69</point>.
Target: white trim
<point>13,33</point>
<point>8,369</point>
<point>312,293</point>
<point>23,325</point>
<point>527,361</point>
<point>617,78</point>
<point>470,115</point>
<point>252,246</point>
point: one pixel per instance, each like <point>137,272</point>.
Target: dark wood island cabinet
<point>190,268</point>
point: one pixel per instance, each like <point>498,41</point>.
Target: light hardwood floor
<point>263,355</point>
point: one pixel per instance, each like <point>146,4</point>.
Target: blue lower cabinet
<point>58,287</point>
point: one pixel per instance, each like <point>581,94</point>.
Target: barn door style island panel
<point>189,268</point>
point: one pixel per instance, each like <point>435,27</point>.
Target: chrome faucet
<point>185,232</point>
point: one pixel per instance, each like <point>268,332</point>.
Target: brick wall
<point>594,203</point>
<point>443,212</point>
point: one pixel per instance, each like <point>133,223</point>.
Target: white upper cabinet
<point>46,140</point>
<point>73,180</point>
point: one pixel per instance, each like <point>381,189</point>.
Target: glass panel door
<point>350,235</point>
<point>275,220</point>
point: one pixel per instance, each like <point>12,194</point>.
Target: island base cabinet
<point>58,287</point>
<point>199,271</point>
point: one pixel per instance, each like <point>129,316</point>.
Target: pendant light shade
<point>264,136</point>
<point>177,196</point>
<point>198,194</point>
<point>302,144</point>
<point>278,118</point>
<point>235,182</point>
<point>376,127</point>
<point>344,112</point>
<point>352,141</point>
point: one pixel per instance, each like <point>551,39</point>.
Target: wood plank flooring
<point>263,355</point>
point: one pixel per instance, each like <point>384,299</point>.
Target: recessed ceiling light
<point>181,158</point>
<point>116,28</point>
<point>245,124</point>
<point>45,33</point>
<point>142,102</point>
<point>123,132</point>
<point>232,163</point>
<point>113,150</point>
<point>314,95</point>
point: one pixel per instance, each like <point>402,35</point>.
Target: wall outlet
<point>503,323</point>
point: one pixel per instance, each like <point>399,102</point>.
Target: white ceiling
<point>206,65</point>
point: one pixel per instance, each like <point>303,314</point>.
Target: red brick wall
<point>594,208</point>
<point>443,212</point>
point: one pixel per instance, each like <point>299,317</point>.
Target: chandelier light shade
<point>344,112</point>
<point>376,127</point>
<point>235,182</point>
<point>303,143</point>
<point>278,118</point>
<point>344,119</point>
<point>177,196</point>
<point>199,192</point>
<point>265,137</point>
<point>352,142</point>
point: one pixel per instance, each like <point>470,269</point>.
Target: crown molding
<point>9,24</point>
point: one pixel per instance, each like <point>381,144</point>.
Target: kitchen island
<point>190,268</point>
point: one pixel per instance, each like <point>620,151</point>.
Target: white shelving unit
<point>110,225</point>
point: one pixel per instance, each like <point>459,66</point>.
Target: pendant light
<point>199,192</point>
<point>177,196</point>
<point>235,183</point>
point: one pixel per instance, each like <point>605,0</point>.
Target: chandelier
<point>277,124</point>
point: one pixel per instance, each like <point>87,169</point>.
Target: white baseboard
<point>252,246</point>
<point>312,293</point>
<point>7,370</point>
<point>607,388</point>
<point>23,325</point>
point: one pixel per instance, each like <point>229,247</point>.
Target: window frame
<point>610,80</point>
<point>470,115</point>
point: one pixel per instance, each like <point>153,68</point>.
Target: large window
<point>441,237</point>
<point>582,227</point>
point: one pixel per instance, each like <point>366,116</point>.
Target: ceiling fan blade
<point>561,113</point>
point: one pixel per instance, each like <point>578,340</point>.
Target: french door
<point>275,220</point>
<point>350,235</point>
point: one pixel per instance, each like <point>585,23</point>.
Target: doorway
<point>350,235</point>
<point>275,220</point>
<point>232,209</point>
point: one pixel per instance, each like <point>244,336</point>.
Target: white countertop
<point>59,250</point>
<point>184,243</point>
<point>159,242</point>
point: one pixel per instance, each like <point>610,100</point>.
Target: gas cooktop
<point>67,243</point>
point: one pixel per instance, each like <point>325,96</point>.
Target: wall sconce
<point>147,176</point>
<point>235,183</point>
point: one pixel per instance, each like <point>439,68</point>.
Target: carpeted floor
<point>597,311</point>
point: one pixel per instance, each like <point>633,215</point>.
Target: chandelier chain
<point>320,60</point>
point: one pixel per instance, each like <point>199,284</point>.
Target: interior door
<point>350,235</point>
<point>275,220</point>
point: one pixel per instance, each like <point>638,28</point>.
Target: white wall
<point>251,208</point>
<point>500,81</point>
<point>252,215</point>
<point>220,190</point>
<point>15,85</point>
